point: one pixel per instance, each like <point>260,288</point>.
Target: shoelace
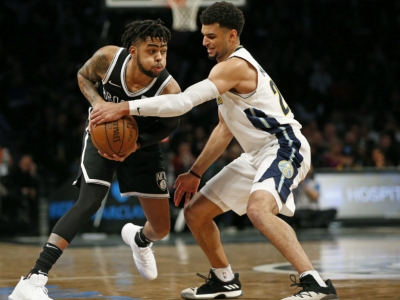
<point>146,256</point>
<point>304,285</point>
<point>38,288</point>
<point>207,279</point>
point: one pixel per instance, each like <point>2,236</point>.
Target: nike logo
<point>114,84</point>
<point>138,110</point>
<point>43,273</point>
<point>50,246</point>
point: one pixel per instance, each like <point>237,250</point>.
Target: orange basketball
<point>116,137</point>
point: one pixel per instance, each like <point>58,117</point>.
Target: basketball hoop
<point>184,14</point>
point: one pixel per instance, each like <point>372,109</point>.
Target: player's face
<point>151,57</point>
<point>217,41</point>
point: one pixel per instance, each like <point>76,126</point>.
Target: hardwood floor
<point>362,263</point>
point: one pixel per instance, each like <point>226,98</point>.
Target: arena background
<point>335,62</point>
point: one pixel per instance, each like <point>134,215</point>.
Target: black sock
<point>46,260</point>
<point>141,240</point>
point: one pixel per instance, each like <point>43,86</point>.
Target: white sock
<point>316,277</point>
<point>224,274</point>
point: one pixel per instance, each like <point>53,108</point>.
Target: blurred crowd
<point>335,62</point>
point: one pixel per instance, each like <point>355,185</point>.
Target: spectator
<point>183,160</point>
<point>335,158</point>
<point>5,161</point>
<point>21,203</point>
<point>308,214</point>
<point>387,146</point>
<point>329,134</point>
<point>199,140</point>
<point>350,144</point>
<point>379,159</point>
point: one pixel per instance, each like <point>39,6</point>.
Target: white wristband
<point>133,109</point>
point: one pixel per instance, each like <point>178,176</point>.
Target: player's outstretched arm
<point>223,77</point>
<point>160,106</point>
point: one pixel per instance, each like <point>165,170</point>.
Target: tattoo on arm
<point>90,73</point>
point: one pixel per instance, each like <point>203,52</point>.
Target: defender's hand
<point>185,183</point>
<point>106,112</point>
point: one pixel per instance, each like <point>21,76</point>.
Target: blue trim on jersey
<point>288,150</point>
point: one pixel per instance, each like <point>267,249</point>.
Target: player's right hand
<point>186,184</point>
<point>117,157</point>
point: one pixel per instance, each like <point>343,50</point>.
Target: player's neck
<point>135,79</point>
<point>229,53</point>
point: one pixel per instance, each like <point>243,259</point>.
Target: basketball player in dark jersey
<point>114,74</point>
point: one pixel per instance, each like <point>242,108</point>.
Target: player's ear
<point>132,50</point>
<point>232,34</point>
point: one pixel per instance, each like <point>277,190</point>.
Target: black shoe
<point>214,288</point>
<point>312,290</point>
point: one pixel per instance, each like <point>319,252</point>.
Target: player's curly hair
<point>225,14</point>
<point>139,31</point>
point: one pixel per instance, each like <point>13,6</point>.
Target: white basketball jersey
<point>256,117</point>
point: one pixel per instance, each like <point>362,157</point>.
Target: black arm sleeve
<point>159,131</point>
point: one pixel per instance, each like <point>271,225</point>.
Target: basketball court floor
<point>363,263</point>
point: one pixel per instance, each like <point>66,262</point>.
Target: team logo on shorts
<point>161,180</point>
<point>286,168</point>
<point>219,101</point>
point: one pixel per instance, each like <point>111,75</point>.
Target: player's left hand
<point>187,184</point>
<point>106,112</point>
<point>117,157</point>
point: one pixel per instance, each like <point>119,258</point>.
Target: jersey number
<point>274,88</point>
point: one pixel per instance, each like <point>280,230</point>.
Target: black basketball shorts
<point>141,174</point>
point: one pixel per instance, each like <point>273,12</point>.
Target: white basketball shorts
<point>277,168</point>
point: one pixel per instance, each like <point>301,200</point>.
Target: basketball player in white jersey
<point>261,180</point>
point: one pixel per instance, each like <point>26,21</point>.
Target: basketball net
<point>184,14</point>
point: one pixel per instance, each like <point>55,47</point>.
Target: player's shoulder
<point>107,52</point>
<point>234,66</point>
<point>172,87</point>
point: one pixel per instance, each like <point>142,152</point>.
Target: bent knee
<point>189,212</point>
<point>194,213</point>
<point>261,202</point>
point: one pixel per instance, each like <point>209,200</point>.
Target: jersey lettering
<point>274,88</point>
<point>110,98</point>
<point>262,70</point>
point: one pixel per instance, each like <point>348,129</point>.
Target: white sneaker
<point>143,257</point>
<point>31,289</point>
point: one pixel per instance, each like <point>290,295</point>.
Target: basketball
<point>116,137</point>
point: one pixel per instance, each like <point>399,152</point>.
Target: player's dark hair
<point>225,14</point>
<point>139,31</point>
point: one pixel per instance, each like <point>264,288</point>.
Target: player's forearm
<point>159,131</point>
<point>89,90</point>
<point>216,145</point>
<point>173,105</point>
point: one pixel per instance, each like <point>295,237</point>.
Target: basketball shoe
<point>214,288</point>
<point>312,290</point>
<point>31,288</point>
<point>143,257</point>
